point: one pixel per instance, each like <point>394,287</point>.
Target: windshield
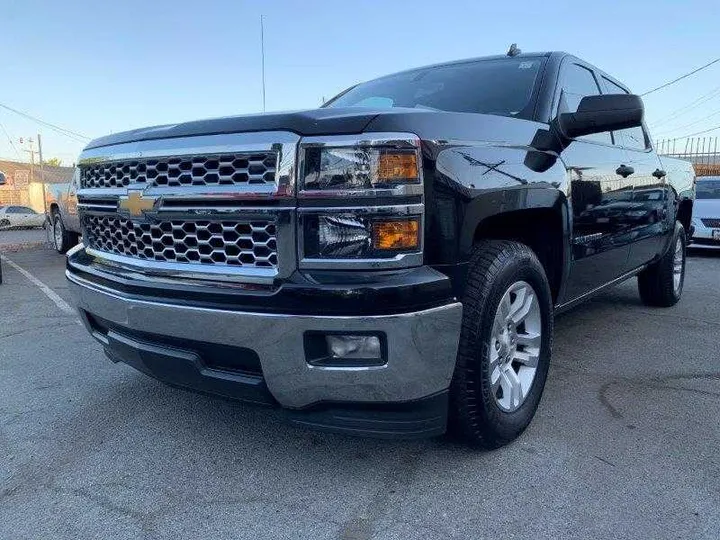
<point>708,189</point>
<point>499,86</point>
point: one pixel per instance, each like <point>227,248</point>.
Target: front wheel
<point>505,344</point>
<point>661,284</point>
<point>62,238</point>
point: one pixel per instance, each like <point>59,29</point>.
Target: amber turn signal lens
<point>396,234</point>
<point>397,166</point>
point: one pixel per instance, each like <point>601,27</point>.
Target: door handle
<point>624,170</point>
<point>659,174</point>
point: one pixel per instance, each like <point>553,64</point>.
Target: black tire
<point>474,412</point>
<point>4,222</point>
<point>62,238</point>
<point>656,283</point>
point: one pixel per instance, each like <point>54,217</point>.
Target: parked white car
<point>706,213</point>
<point>20,216</point>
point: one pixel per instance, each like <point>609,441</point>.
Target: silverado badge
<point>135,203</point>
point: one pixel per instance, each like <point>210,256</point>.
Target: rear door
<point>647,214</point>
<point>598,191</point>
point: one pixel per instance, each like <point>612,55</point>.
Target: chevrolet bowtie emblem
<point>136,204</point>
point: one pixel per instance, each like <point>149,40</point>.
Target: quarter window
<point>578,82</point>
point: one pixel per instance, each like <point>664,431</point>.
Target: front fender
<point>467,183</point>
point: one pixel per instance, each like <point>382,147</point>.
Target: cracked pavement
<point>624,445</point>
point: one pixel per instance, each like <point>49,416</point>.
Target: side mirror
<point>596,114</point>
<point>2,178</point>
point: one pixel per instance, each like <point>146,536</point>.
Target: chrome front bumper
<point>422,346</point>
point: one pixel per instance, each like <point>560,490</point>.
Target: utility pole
<point>262,57</point>
<point>40,153</point>
<point>42,173</point>
<point>32,158</point>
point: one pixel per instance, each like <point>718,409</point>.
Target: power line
<point>698,133</point>
<point>71,134</point>
<point>10,141</point>
<point>690,106</point>
<point>681,77</point>
<point>696,122</point>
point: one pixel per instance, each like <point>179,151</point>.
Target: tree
<point>53,162</point>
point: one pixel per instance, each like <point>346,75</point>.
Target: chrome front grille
<point>711,222</point>
<point>206,207</point>
<point>243,243</point>
<point>229,169</point>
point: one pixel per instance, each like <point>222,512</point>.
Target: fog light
<point>335,350</point>
<point>354,347</point>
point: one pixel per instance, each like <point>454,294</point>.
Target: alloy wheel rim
<point>678,265</point>
<point>515,346</point>
<point>57,234</point>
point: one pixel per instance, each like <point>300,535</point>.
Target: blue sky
<point>99,67</point>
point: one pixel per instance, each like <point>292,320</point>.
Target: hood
<point>311,122</point>
<point>706,208</point>
<point>427,124</point>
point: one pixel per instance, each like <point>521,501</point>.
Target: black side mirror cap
<point>597,114</point>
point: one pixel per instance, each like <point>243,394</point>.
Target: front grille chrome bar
<point>279,147</point>
<point>224,211</point>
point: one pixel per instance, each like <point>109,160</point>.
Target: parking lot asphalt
<point>624,445</point>
<point>11,239</point>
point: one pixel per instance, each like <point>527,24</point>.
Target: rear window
<point>503,87</point>
<point>708,189</point>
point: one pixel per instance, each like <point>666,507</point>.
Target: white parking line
<point>52,295</point>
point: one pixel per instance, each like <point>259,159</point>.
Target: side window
<point>26,210</point>
<point>578,82</point>
<point>13,210</point>
<point>632,138</point>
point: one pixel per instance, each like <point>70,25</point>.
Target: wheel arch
<point>536,216</point>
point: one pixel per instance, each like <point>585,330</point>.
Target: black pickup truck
<point>389,264</point>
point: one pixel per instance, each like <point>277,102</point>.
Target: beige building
<point>26,185</point>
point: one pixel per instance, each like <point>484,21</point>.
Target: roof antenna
<point>513,51</point>
<point>262,56</point>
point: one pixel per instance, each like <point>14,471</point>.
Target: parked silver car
<point>20,216</point>
<point>706,213</point>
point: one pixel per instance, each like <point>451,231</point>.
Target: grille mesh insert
<point>212,170</point>
<point>236,243</point>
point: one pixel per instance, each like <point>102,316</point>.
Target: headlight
<point>361,202</point>
<point>378,163</point>
<point>352,236</point>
